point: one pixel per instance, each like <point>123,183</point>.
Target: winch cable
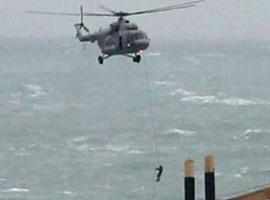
<point>153,122</point>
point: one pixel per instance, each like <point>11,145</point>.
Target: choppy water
<point>72,129</point>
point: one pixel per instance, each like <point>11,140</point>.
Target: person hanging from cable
<point>159,173</point>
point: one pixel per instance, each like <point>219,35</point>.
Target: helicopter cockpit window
<point>115,27</point>
<point>131,27</point>
<point>139,36</point>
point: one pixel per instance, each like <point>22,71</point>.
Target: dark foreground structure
<point>209,177</point>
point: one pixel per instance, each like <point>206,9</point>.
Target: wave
<point>35,91</point>
<point>79,139</point>
<point>122,149</point>
<point>213,55</point>
<point>200,99</point>
<point>238,176</point>
<point>251,132</point>
<point>17,190</point>
<point>182,92</point>
<point>135,152</point>
<point>264,170</point>
<point>110,148</point>
<point>164,83</point>
<point>223,101</point>
<point>69,193</point>
<point>15,100</point>
<point>115,148</point>
<point>193,97</point>
<point>176,131</point>
<point>244,170</point>
<point>18,99</point>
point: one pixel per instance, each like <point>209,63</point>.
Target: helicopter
<point>121,37</point>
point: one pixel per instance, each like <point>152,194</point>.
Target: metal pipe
<point>210,193</point>
<point>189,180</point>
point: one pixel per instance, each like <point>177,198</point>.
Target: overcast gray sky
<point>214,19</point>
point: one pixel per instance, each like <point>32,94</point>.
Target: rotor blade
<point>81,15</point>
<point>107,9</point>
<point>70,14</point>
<point>168,8</point>
<point>85,28</point>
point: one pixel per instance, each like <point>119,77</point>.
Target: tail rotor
<point>82,26</point>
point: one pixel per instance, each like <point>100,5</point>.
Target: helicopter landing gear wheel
<point>100,60</point>
<point>137,58</point>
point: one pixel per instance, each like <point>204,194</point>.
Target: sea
<point>73,129</point>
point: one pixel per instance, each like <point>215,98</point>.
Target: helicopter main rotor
<point>121,14</point>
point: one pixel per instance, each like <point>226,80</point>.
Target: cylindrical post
<point>189,180</point>
<point>210,193</point>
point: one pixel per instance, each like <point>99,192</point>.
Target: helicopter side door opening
<point>120,43</point>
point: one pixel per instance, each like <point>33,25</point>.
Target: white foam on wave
<point>85,147</point>
<point>138,190</point>
<point>246,134</point>
<point>251,132</point>
<point>24,190</point>
<point>180,132</point>
<point>164,83</point>
<point>116,148</point>
<point>110,148</point>
<point>36,91</point>
<point>264,170</point>
<point>213,55</point>
<point>211,99</point>
<point>69,193</point>
<point>79,139</point>
<point>238,176</point>
<point>182,92</point>
<point>237,102</point>
<point>244,170</point>
<point>2,179</point>
<point>192,97</point>
<point>29,90</point>
<point>122,149</point>
<point>15,100</point>
<point>200,99</point>
<point>135,152</point>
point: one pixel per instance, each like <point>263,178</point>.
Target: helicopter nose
<point>142,44</point>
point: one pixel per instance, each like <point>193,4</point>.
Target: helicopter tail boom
<point>82,37</point>
<point>79,27</point>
